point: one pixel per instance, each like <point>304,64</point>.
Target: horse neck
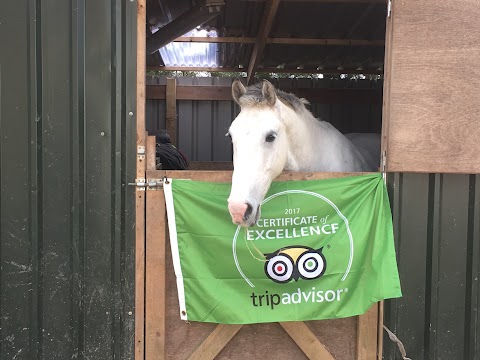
<point>314,145</point>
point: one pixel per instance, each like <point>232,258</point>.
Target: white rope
<point>398,342</point>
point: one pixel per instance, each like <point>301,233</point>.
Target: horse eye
<point>270,138</point>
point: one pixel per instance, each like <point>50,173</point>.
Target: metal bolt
<point>130,313</point>
<point>102,133</point>
<point>131,112</point>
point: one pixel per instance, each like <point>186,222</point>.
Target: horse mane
<point>254,96</point>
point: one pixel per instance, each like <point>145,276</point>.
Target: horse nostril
<point>248,212</point>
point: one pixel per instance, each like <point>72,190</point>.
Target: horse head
<point>260,149</point>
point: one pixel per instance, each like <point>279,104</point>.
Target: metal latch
<point>389,8</point>
<point>141,152</point>
<point>147,184</point>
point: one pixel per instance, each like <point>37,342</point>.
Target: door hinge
<point>147,184</point>
<point>389,8</point>
<point>384,161</point>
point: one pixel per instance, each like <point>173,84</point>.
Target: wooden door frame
<point>150,314</point>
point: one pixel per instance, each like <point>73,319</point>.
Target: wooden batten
<point>171,109</point>
<point>224,93</point>
<point>140,195</point>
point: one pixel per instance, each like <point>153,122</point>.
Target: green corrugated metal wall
<point>437,231</point>
<point>67,85</point>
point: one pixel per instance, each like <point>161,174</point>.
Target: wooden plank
<point>367,334</point>
<point>151,153</point>
<point>380,330</point>
<point>314,95</point>
<point>268,70</point>
<point>171,109</point>
<point>215,342</point>
<point>330,1</point>
<point>386,89</point>
<point>210,165</point>
<point>140,195</point>
<point>155,332</point>
<point>284,41</point>
<point>306,340</point>
<point>155,311</point>
<point>226,176</point>
<point>434,104</point>
<point>266,23</point>
<point>139,275</point>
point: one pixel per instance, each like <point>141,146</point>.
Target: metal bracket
<point>384,161</point>
<point>141,152</point>
<point>154,184</point>
<point>389,8</point>
<point>140,184</point>
<point>147,184</point>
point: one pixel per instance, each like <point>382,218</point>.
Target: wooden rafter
<point>326,1</point>
<point>267,70</point>
<point>184,23</point>
<point>265,26</point>
<point>283,41</point>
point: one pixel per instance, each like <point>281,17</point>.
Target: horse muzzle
<point>243,214</point>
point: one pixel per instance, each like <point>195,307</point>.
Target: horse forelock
<point>254,97</point>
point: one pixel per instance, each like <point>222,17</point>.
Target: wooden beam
<point>219,39</point>
<point>215,342</point>
<point>140,195</point>
<point>348,42</point>
<point>367,334</point>
<point>283,41</point>
<point>326,1</point>
<point>267,70</point>
<point>314,95</point>
<point>171,109</point>
<point>380,330</point>
<point>265,26</point>
<point>210,165</point>
<point>155,247</point>
<point>192,18</point>
<point>306,340</point>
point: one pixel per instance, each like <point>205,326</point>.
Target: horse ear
<point>237,91</point>
<point>268,92</point>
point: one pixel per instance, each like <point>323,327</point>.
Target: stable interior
<point>330,52</point>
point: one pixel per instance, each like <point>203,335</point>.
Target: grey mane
<point>254,95</point>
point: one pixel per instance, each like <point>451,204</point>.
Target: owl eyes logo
<point>295,262</point>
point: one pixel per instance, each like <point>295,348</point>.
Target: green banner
<point>322,249</point>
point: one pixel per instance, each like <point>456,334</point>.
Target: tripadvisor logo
<point>294,262</point>
<point>289,243</point>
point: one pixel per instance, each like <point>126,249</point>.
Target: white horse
<point>275,132</point>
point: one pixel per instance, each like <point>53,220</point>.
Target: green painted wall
<point>67,85</point>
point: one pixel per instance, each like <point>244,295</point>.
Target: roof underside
<point>317,36</point>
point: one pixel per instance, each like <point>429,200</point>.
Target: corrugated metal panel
<point>437,230</point>
<point>66,260</point>
<point>203,124</point>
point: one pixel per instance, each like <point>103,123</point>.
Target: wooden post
<point>140,195</point>
<point>171,109</point>
<point>367,334</point>
<point>155,283</point>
